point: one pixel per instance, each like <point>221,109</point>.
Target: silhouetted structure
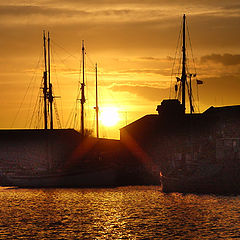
<point>193,152</point>
<point>57,158</point>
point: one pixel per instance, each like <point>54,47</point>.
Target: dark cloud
<point>78,11</point>
<point>148,2</point>
<point>226,59</point>
<point>69,14</point>
<point>27,10</point>
<point>126,28</point>
<point>147,92</point>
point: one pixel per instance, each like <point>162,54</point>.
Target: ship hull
<point>225,180</point>
<point>56,158</point>
<point>185,185</point>
<point>102,178</point>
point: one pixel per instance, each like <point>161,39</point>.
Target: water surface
<point>116,213</point>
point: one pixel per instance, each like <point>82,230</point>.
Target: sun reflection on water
<point>116,213</point>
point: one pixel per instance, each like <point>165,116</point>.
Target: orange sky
<point>133,42</point>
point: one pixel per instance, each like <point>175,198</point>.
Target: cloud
<point>147,92</point>
<point>222,90</point>
<point>151,58</point>
<point>124,24</point>
<point>226,59</point>
<point>232,6</point>
<point>143,71</point>
<point>78,13</point>
<point>147,2</point>
<point>28,10</point>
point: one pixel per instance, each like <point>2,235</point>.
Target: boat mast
<point>45,88</point>
<point>83,100</point>
<point>184,75</point>
<point>50,95</point>
<point>97,109</point>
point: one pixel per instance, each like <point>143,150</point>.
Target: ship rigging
<point>83,98</point>
<point>185,81</point>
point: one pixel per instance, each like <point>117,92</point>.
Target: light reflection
<point>115,213</point>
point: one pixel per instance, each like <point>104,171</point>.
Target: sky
<point>134,44</point>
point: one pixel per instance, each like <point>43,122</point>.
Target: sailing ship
<point>57,157</point>
<point>187,151</point>
<point>205,154</point>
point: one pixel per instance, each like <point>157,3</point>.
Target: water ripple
<point>116,213</point>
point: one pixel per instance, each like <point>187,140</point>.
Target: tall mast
<point>97,109</point>
<point>45,82</point>
<point>184,76</point>
<point>50,96</point>
<point>82,90</point>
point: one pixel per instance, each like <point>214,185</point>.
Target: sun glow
<point>109,116</point>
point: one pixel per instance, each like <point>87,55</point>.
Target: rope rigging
<point>191,76</point>
<point>36,120</point>
<point>31,82</point>
<point>41,108</point>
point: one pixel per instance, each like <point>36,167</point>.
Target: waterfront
<point>140,212</point>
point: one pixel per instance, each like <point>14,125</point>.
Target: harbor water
<point>136,212</point>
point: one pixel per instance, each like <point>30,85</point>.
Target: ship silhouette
<point>188,152</point>
<point>57,157</point>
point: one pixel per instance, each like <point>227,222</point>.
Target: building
<point>173,140</point>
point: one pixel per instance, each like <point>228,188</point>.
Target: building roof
<point>224,109</point>
<point>170,120</point>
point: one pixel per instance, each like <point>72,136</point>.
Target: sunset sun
<point>109,116</point>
